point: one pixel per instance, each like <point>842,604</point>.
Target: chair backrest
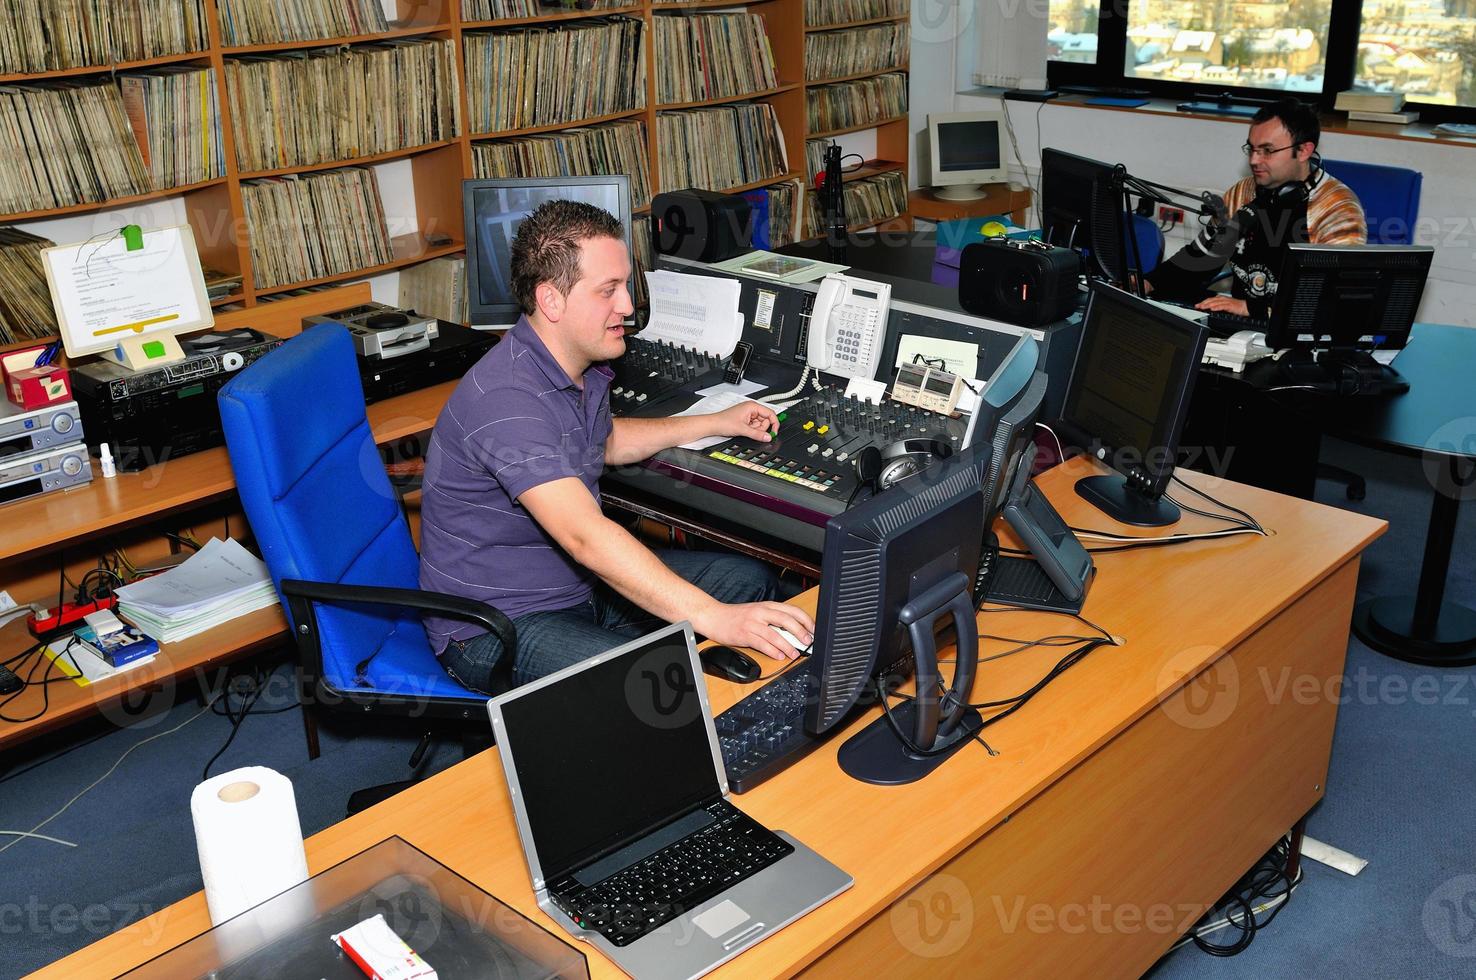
<point>1390,197</point>
<point>1150,241</point>
<point>313,486</point>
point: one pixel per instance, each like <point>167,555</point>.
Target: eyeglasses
<point>1263,151</point>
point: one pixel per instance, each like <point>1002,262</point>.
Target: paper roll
<point>248,837</point>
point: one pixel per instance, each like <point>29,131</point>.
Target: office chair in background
<point>338,546</point>
<point>1391,203</point>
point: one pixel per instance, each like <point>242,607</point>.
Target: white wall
<point>1198,154</point>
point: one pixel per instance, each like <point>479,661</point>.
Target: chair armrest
<point>455,606</point>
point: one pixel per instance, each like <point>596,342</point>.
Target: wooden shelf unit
<point>214,208</point>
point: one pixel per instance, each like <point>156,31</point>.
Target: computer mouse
<point>730,664</point>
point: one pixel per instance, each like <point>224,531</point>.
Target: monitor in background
<point>1081,207</point>
<point>1336,304</point>
<point>1126,402</point>
<point>967,152</point>
<point>493,209</point>
<point>897,569</point>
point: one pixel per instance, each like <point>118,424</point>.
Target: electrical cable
<point>111,770</point>
<point>23,833</point>
<point>236,722</point>
<point>1060,450</point>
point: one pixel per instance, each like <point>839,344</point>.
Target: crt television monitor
<point>1126,401</point>
<point>967,152</point>
<point>1080,208</point>
<point>493,210</point>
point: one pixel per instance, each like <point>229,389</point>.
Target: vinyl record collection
<point>527,77</point>
<point>273,21</point>
<point>175,115</point>
<point>26,312</point>
<point>68,143</point>
<point>815,156</point>
<point>612,148</point>
<point>823,13</point>
<point>837,54</point>
<point>868,202</point>
<point>362,100</point>
<point>436,288</point>
<point>475,10</point>
<point>720,147</point>
<point>50,35</point>
<point>712,56</point>
<point>778,204</point>
<point>866,101</point>
<point>311,225</point>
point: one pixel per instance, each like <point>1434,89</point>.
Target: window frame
<point>1341,61</point>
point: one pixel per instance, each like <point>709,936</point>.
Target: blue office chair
<point>334,537</point>
<point>1149,238</point>
<point>1390,197</point>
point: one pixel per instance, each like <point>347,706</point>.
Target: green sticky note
<point>153,349</point>
<point>133,237</point>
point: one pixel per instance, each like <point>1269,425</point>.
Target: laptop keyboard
<point>677,878</point>
<point>764,734</point>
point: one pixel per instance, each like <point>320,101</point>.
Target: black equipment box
<point>1028,283</point>
<point>450,355</point>
<point>147,417</point>
<point>702,225</point>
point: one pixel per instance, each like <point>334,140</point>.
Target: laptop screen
<point>610,752</point>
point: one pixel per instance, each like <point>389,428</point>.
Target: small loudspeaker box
<point>701,225</point>
<point>1028,283</point>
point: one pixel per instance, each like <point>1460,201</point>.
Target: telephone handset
<point>847,326</point>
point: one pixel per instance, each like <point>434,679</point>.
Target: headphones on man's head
<point>881,469</point>
<point>1295,191</point>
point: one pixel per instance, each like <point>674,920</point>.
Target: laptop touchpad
<point>722,918</point>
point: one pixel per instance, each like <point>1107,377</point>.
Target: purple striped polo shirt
<point>514,422</point>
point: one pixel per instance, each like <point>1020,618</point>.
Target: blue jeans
<point>550,641</point>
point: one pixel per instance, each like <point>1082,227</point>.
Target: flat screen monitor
<point>1081,209</point>
<point>897,569</point>
<point>1348,300</point>
<point>967,152</point>
<point>493,210</point>
<point>1126,401</point>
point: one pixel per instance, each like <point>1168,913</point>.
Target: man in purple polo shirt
<point>510,512</point>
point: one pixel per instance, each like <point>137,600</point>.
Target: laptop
<point>622,808</point>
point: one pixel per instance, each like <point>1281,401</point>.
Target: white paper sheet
<point>742,389</point>
<point>220,570</point>
<point>713,403</point>
<point>700,312</point>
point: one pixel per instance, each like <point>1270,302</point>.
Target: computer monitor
<point>897,568</point>
<point>1336,304</point>
<point>1081,207</point>
<point>1126,401</point>
<point>1003,389</point>
<point>493,210</point>
<point>967,152</point>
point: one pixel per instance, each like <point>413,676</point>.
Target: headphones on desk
<point>882,469</point>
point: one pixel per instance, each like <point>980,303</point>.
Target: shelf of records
<point>834,55</point>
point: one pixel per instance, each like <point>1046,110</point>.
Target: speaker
<point>701,225</point>
<point>1028,283</point>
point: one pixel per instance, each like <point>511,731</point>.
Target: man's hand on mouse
<point>751,625</point>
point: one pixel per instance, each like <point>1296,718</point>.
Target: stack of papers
<point>218,583</point>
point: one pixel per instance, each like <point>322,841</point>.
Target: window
<point>1314,49</point>
<point>1270,44</point>
<point>1423,48</point>
<point>1073,32</point>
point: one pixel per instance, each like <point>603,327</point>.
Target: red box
<point>33,387</point>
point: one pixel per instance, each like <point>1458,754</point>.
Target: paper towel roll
<point>249,839</point>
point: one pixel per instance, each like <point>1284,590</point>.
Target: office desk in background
<point>1125,799</point>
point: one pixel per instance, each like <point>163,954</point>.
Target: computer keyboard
<point>1223,324</point>
<point>764,734</point>
<point>677,878</point>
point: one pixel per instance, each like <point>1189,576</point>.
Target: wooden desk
<point>55,521</point>
<point>1124,800</point>
<point>998,199</point>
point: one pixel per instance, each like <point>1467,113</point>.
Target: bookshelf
<point>425,178</point>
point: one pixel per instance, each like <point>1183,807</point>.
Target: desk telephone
<point>847,326</point>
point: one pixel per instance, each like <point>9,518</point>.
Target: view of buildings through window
<point>1423,48</point>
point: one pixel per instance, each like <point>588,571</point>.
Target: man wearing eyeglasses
<point>1287,198</point>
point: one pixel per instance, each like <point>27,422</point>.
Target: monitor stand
<point>1340,372</point>
<point>961,192</point>
<point>1112,495</point>
<point>875,754</point>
